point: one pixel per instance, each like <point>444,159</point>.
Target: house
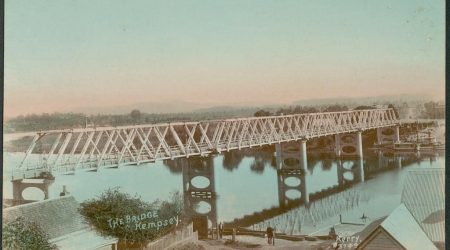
<point>419,222</point>
<point>399,230</point>
<point>60,219</point>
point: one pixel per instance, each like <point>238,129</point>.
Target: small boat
<point>421,141</point>
<point>403,146</point>
<point>415,146</point>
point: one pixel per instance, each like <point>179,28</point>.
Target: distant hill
<point>234,109</point>
<point>173,107</point>
<point>368,100</point>
<point>147,107</point>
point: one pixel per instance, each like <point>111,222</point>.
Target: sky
<point>65,55</point>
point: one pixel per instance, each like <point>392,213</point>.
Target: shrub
<point>22,234</point>
<point>112,214</point>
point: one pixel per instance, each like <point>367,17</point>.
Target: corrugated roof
<point>85,239</point>
<point>57,217</point>
<point>424,196</point>
<point>61,220</point>
<point>370,228</point>
<point>403,227</point>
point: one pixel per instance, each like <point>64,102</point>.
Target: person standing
<point>220,230</point>
<point>273,235</point>
<point>269,232</point>
<point>332,234</point>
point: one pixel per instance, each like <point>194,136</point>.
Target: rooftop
<point>57,216</point>
<point>60,219</point>
<point>402,227</point>
<point>424,196</point>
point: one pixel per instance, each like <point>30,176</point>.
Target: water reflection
<point>247,188</point>
<point>261,157</point>
<point>307,197</point>
<point>175,167</point>
<point>232,160</point>
<point>326,205</point>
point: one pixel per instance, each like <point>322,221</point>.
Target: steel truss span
<point>93,148</point>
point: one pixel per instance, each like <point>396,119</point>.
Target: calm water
<point>245,182</point>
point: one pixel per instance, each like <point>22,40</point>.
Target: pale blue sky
<point>66,54</point>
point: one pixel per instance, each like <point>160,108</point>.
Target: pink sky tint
<point>64,56</point>
<point>221,88</point>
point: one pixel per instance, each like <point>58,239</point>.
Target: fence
<point>172,239</point>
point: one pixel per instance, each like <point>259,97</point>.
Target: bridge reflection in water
<point>298,207</point>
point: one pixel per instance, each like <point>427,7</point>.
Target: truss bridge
<point>93,148</point>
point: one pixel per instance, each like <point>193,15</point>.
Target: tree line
<point>46,121</point>
<point>306,109</point>
<point>310,109</point>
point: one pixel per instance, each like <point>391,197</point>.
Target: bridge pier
<point>193,168</point>
<point>278,153</point>
<point>20,185</point>
<point>292,168</point>
<point>304,166</point>
<point>349,151</point>
<point>349,145</point>
<point>359,151</point>
<point>388,135</point>
<point>397,134</point>
<point>337,143</point>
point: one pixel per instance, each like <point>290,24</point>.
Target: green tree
<point>335,108</point>
<point>364,107</point>
<point>432,110</point>
<point>22,234</point>
<point>136,116</point>
<point>262,112</point>
<point>112,215</point>
<point>296,110</point>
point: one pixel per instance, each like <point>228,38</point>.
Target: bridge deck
<point>91,148</point>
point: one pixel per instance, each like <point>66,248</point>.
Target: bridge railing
<point>68,150</point>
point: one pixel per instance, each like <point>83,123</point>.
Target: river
<point>245,182</point>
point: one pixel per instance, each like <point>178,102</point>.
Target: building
<point>438,111</point>
<point>60,219</point>
<point>419,222</point>
<point>424,196</point>
<point>399,230</point>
